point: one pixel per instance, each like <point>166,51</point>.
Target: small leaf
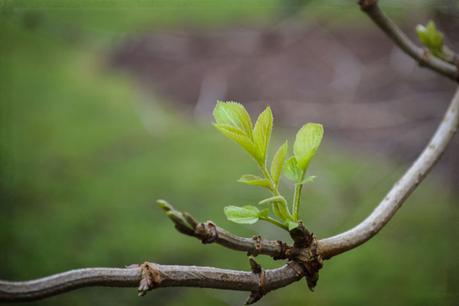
<point>292,225</point>
<point>279,206</point>
<point>244,215</point>
<point>262,133</point>
<point>236,135</point>
<point>278,162</point>
<point>291,170</point>
<point>264,213</point>
<point>234,114</point>
<point>307,142</point>
<point>272,200</point>
<point>250,179</point>
<point>308,179</point>
<point>431,38</point>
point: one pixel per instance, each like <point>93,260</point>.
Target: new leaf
<point>250,179</point>
<point>292,171</point>
<point>431,38</point>
<point>262,133</point>
<point>307,142</point>
<point>233,114</point>
<point>244,215</point>
<point>278,162</point>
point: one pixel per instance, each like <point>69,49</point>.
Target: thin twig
<point>400,191</point>
<point>371,8</point>
<point>209,277</point>
<point>208,232</point>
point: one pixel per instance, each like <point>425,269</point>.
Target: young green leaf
<point>308,179</point>
<point>279,205</point>
<point>307,142</point>
<point>262,133</point>
<point>431,38</point>
<point>250,179</point>
<point>233,114</point>
<point>244,215</point>
<point>264,213</point>
<point>292,171</point>
<point>278,162</point>
<point>238,137</point>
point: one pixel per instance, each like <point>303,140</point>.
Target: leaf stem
<point>275,189</point>
<point>297,201</point>
<point>275,222</point>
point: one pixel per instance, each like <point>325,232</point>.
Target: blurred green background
<point>85,151</point>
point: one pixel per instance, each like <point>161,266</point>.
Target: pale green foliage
<point>308,179</point>
<point>262,132</point>
<point>278,162</point>
<point>245,215</point>
<point>307,142</point>
<point>234,122</point>
<point>234,114</point>
<point>279,206</point>
<point>431,38</point>
<point>292,171</point>
<point>232,119</point>
<point>254,180</point>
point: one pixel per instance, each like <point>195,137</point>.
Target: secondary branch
<point>422,56</point>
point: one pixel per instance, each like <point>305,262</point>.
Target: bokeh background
<point>106,106</point>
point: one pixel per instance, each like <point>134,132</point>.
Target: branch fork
<point>305,256</point>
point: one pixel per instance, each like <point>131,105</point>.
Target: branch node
<point>151,278</point>
<point>207,232</point>
<point>256,295</point>
<point>284,249</point>
<point>305,252</point>
<point>301,236</point>
<point>257,247</point>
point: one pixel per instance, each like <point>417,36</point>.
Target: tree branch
<point>306,252</point>
<point>169,276</point>
<point>400,191</point>
<point>422,56</point>
<point>208,232</point>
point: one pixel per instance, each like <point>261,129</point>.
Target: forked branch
<point>305,255</point>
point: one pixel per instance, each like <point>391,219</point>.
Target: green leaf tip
<point>164,205</point>
<point>233,121</point>
<point>254,180</point>
<point>262,133</point>
<point>278,161</point>
<point>307,142</point>
<point>233,114</point>
<point>243,215</point>
<point>431,38</point>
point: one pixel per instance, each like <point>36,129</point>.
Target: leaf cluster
<point>431,38</point>
<point>233,121</point>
